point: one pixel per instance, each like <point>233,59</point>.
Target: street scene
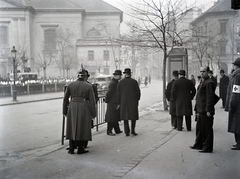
<point>126,89</point>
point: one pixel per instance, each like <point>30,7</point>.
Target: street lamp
<point>14,52</point>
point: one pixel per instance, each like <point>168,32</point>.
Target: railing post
<point>28,91</point>
<point>43,87</point>
<point>55,86</point>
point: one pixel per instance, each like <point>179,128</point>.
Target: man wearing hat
<point>172,110</point>
<point>233,103</point>
<point>79,113</point>
<point>223,85</point>
<point>112,116</point>
<point>183,92</point>
<point>210,74</point>
<point>128,97</point>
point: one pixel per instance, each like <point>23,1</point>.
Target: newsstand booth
<point>177,60</point>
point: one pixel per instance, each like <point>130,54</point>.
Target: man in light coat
<point>79,113</point>
<point>233,104</point>
<point>128,97</point>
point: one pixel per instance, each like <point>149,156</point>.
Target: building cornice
<point>97,13</point>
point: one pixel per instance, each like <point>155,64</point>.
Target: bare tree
<point>156,25</point>
<point>44,60</point>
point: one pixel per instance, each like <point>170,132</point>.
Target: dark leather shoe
<point>134,133</point>
<point>82,151</point>
<point>71,151</point>
<point>205,151</point>
<point>111,134</point>
<point>235,148</point>
<point>119,132</point>
<point>127,135</point>
<point>195,147</point>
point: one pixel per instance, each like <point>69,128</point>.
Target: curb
<point>32,101</point>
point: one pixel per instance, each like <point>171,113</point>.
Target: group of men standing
<point>122,100</point>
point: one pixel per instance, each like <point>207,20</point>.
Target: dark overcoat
<point>128,97</point>
<point>81,110</point>
<point>205,98</point>
<point>223,85</point>
<point>183,92</point>
<point>214,81</point>
<point>233,102</point>
<point>112,113</point>
<point>172,110</point>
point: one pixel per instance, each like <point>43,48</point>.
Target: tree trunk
<point>165,107</point>
<point>44,73</point>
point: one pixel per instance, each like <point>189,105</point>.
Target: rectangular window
<point>223,26</point>
<point>50,39</point>
<point>90,55</point>
<point>106,55</point>
<point>238,48</point>
<point>222,47</point>
<point>3,36</point>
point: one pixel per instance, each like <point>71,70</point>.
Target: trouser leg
<point>179,122</point>
<point>126,127</point>
<point>109,127</point>
<point>198,140</point>
<point>237,139</point>
<point>188,122</point>
<point>85,144</point>
<point>223,102</point>
<point>133,125</point>
<point>174,121</point>
<point>116,127</point>
<point>207,131</point>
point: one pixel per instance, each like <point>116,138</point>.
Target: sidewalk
<point>158,152</point>
<point>30,98</point>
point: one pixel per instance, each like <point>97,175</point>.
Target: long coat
<point>81,110</point>
<point>183,92</point>
<point>233,102</point>
<point>205,98</point>
<point>223,85</point>
<point>112,113</point>
<point>128,97</point>
<point>172,110</point>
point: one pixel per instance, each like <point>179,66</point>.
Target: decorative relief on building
<point>93,33</point>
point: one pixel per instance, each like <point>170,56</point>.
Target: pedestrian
<point>139,81</point>
<point>233,104</point>
<point>205,101</point>
<point>172,110</point>
<point>79,113</point>
<point>112,116</point>
<point>146,81</point>
<point>193,80</point>
<point>183,92</point>
<point>128,98</point>
<point>210,74</point>
<point>223,85</point>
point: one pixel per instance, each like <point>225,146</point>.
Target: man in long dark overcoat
<point>233,104</point>
<point>128,97</point>
<point>172,110</point>
<point>214,79</point>
<point>183,92</point>
<point>205,101</point>
<point>112,116</point>
<point>79,113</point>
<point>223,85</point>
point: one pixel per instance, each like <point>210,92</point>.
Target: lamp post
<point>13,52</point>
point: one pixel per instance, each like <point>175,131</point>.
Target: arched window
<point>93,33</point>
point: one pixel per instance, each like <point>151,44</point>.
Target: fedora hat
<point>127,71</point>
<point>175,73</point>
<point>117,72</point>
<point>237,62</point>
<point>182,72</point>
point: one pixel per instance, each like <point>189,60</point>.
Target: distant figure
<point>139,81</point>
<point>146,81</point>
<point>223,85</point>
<point>172,110</point>
<point>149,79</point>
<point>128,98</point>
<point>233,104</point>
<point>210,74</point>
<point>193,80</point>
<point>183,92</point>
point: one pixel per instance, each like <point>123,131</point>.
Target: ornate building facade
<point>59,35</point>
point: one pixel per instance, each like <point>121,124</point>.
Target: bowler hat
<point>182,72</point>
<point>222,71</point>
<point>117,72</point>
<point>237,62</point>
<point>127,71</point>
<point>175,72</point>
